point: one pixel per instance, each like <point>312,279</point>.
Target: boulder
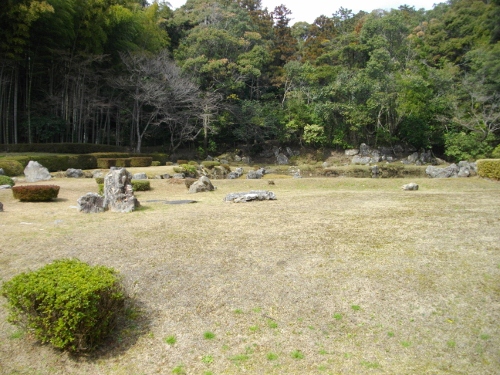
<point>357,159</point>
<point>91,203</point>
<point>2,173</point>
<point>203,184</point>
<point>165,176</point>
<point>436,172</point>
<point>139,176</point>
<point>237,173</point>
<point>255,175</point>
<point>297,174</point>
<point>179,176</point>
<point>74,173</point>
<point>281,159</point>
<point>34,172</point>
<point>413,158</point>
<point>253,195</point>
<point>364,150</point>
<point>426,157</point>
<point>351,152</point>
<point>118,192</point>
<point>375,171</point>
<point>1,207</point>
<point>410,186</point>
<point>3,187</point>
<point>97,173</point>
<point>467,169</point>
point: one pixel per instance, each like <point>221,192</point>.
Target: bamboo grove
<point>215,74</point>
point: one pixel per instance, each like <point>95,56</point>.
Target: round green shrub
<point>141,161</point>
<point>99,180</point>
<point>68,303</point>
<point>5,180</point>
<point>35,193</point>
<point>209,164</point>
<point>155,163</point>
<point>11,167</point>
<point>141,185</point>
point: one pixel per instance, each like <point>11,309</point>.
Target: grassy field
<point>337,276</point>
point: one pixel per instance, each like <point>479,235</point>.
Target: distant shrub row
<point>489,168</point>
<point>14,165</point>
<point>61,148</point>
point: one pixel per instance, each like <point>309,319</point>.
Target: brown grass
<point>356,275</point>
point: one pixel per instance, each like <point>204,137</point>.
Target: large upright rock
<point>203,184</point>
<point>34,172</point>
<point>118,192</point>
<point>435,172</point>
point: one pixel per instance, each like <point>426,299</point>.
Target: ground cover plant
<point>338,275</point>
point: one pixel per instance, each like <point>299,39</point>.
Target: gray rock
<point>118,192</point>
<point>3,187</point>
<point>413,157</point>
<point>297,174</point>
<point>179,176</point>
<point>97,173</point>
<point>426,157</point>
<point>253,195</point>
<point>237,158</point>
<point>203,184</point>
<point>237,173</point>
<point>209,158</point>
<point>34,172</point>
<point>139,176</point>
<point>1,207</point>
<point>246,160</point>
<point>165,176</point>
<point>256,175</point>
<point>386,151</point>
<point>410,186</point>
<point>74,173</point>
<point>357,159</point>
<point>351,152</point>
<point>2,173</point>
<point>281,159</point>
<point>364,150</point>
<point>375,171</point>
<point>436,172</point>
<point>91,203</point>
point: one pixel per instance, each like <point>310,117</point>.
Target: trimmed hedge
<point>6,180</point>
<point>489,168</point>
<point>11,167</point>
<point>141,161</point>
<point>210,164</point>
<point>140,185</point>
<point>35,193</point>
<point>60,148</point>
<point>123,162</point>
<point>106,163</point>
<point>68,303</point>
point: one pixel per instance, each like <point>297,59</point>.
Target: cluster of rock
<point>366,155</point>
<point>253,195</point>
<point>203,184</point>
<point>237,173</point>
<point>463,169</point>
<point>118,194</point>
<point>256,175</point>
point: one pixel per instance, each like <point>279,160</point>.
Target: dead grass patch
<point>422,269</point>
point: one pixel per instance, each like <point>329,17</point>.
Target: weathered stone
<point>97,173</point>
<point>255,175</point>
<point>165,176</point>
<point>139,176</point>
<point>351,152</point>
<point>436,172</point>
<point>297,174</point>
<point>91,203</point>
<point>357,159</point>
<point>364,149</point>
<point>413,157</point>
<point>237,158</point>
<point>281,159</point>
<point>237,173</point>
<point>34,172</point>
<point>2,173</point>
<point>74,173</point>
<point>246,160</point>
<point>3,187</point>
<point>179,175</point>
<point>410,186</point>
<point>118,192</point>
<point>253,195</point>
<point>426,157</point>
<point>203,184</point>
<point>375,171</point>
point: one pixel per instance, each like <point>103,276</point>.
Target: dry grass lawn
<point>337,276</point>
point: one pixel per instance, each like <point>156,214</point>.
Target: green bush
<point>60,148</point>
<point>11,167</point>
<point>35,193</point>
<point>53,163</point>
<point>110,155</point>
<point>155,163</point>
<point>496,152</point>
<point>100,189</point>
<point>190,170</point>
<point>141,185</point>
<point>181,161</point>
<point>106,163</point>
<point>141,161</point>
<point>489,168</point>
<point>6,180</point>
<point>208,164</point>
<point>467,146</point>
<point>123,162</point>
<point>68,303</point>
<point>99,180</point>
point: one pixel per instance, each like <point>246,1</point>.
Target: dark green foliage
<point>53,163</point>
<point>100,189</point>
<point>141,185</point>
<point>143,161</point>
<point>467,146</point>
<point>68,303</point>
<point>99,180</point>
<point>6,180</point>
<point>190,170</point>
<point>496,152</point>
<point>210,164</point>
<point>155,163</point>
<point>489,168</point>
<point>60,148</point>
<point>111,155</point>
<point>123,162</point>
<point>11,167</point>
<point>35,193</point>
<point>106,163</point>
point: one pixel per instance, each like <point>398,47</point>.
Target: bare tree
<point>161,95</point>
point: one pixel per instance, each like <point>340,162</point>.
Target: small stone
<point>410,186</point>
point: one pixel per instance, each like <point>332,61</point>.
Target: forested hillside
<point>217,74</point>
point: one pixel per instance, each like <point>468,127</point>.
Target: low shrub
<point>209,164</point>
<point>11,167</point>
<point>489,168</point>
<point>110,155</point>
<point>190,170</point>
<point>100,189</point>
<point>68,303</point>
<point>60,148</point>
<point>179,170</point>
<point>106,163</point>
<point>99,180</point>
<point>155,163</point>
<point>141,161</point>
<point>6,180</point>
<point>141,185</point>
<point>181,161</point>
<point>123,162</point>
<point>35,193</point>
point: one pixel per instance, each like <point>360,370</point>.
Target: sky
<point>308,10</point>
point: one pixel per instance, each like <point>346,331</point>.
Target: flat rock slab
<point>185,201</point>
<point>253,195</point>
